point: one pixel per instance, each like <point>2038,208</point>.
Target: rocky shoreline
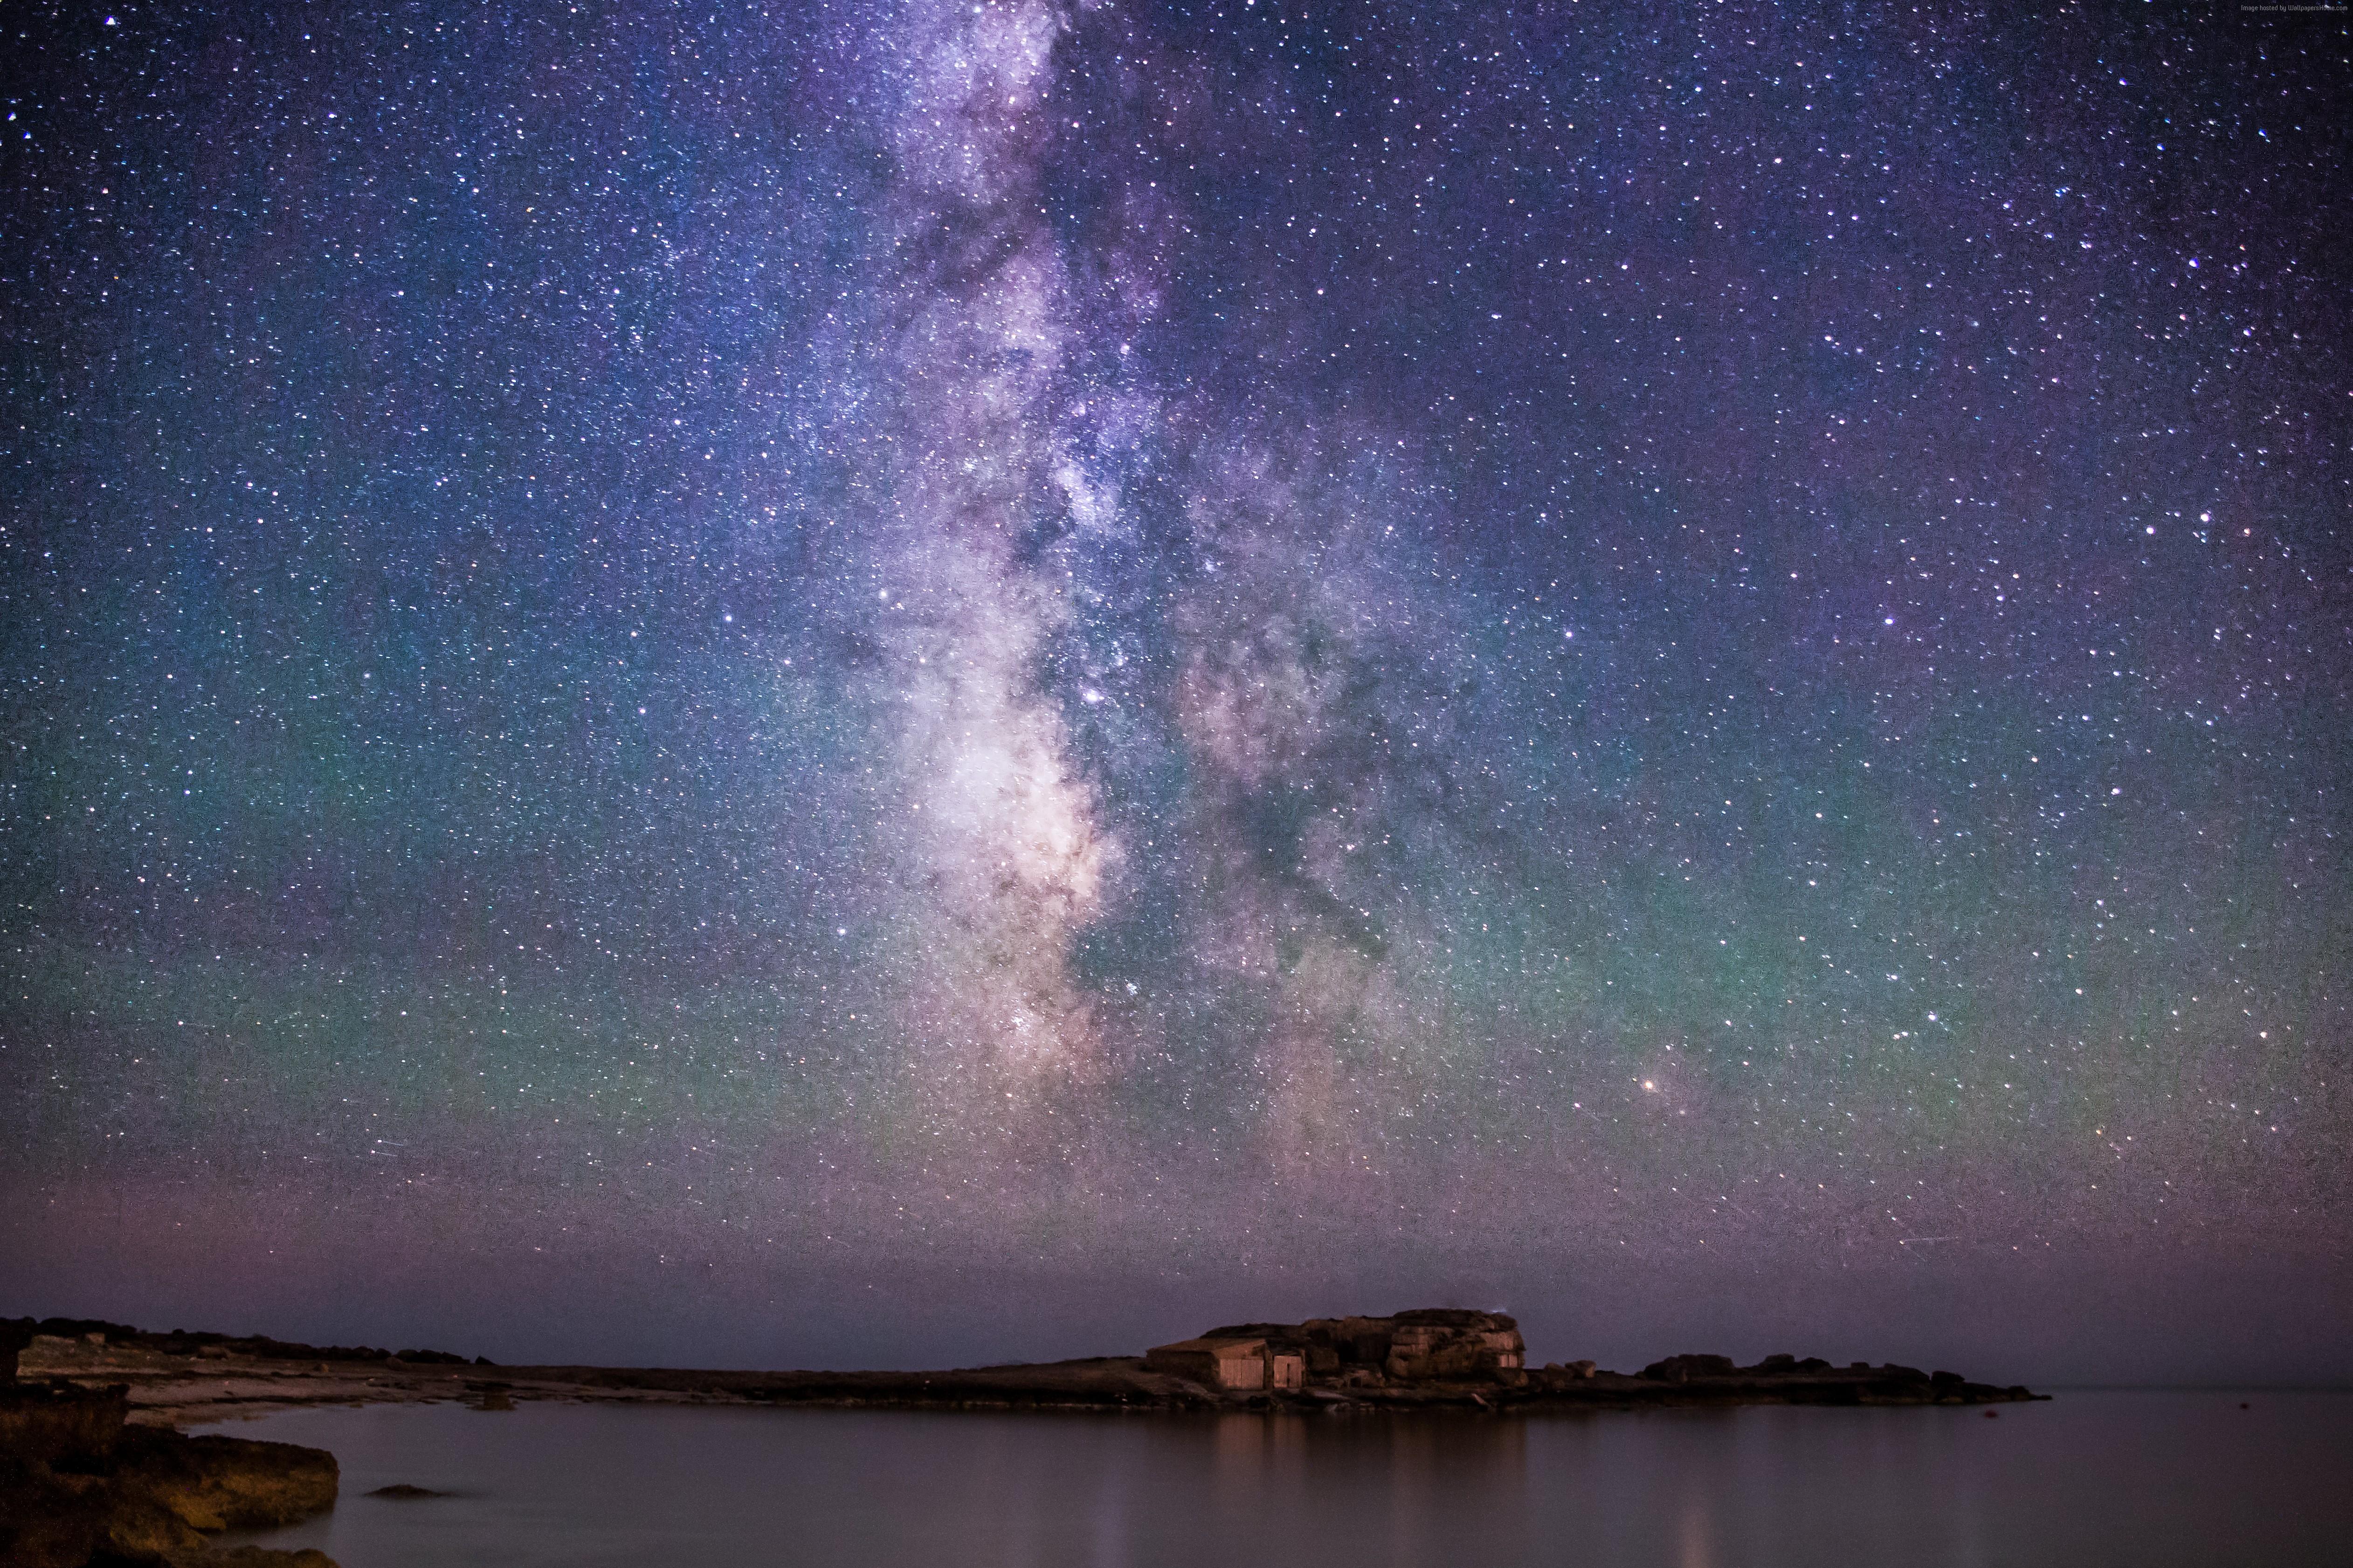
<point>81,1488</point>
<point>95,1473</point>
<point>182,1380</point>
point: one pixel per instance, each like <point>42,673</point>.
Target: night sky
<point>912,682</point>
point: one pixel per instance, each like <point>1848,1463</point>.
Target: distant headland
<point>1430,1359</point>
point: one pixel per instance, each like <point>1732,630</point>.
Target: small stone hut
<point>1434,1345</point>
<point>1237,1363</point>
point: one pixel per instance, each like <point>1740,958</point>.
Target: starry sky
<point>909,682</point>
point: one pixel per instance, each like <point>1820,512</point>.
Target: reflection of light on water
<point>1253,1450</point>
<point>554,1486</point>
<point>1692,1549</point>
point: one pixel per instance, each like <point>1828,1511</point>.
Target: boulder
<point>15,1333</point>
<point>46,1520</point>
<point>49,1519</point>
<point>223,1483</point>
<point>77,1488</point>
<point>136,1526</point>
<point>1335,1345</point>
<point>1442,1344</point>
<point>60,1424</point>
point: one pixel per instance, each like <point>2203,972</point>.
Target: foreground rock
<point>80,1488</point>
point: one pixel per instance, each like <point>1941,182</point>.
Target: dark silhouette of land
<point>1432,1359</point>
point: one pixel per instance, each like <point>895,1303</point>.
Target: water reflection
<point>2152,1480</point>
<point>1400,1492</point>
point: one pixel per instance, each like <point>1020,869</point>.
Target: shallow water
<point>2144,1480</point>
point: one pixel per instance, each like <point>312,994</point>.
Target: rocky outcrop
<point>1684,1368</point>
<point>1776,1380</point>
<point>1454,1356</point>
<point>1435,1358</point>
<point>227,1483</point>
<point>1441,1343</point>
<point>60,1426</point>
<point>15,1333</point>
<point>79,1488</point>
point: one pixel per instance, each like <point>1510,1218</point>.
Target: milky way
<point>903,681</point>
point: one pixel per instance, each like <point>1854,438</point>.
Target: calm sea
<point>2132,1479</point>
